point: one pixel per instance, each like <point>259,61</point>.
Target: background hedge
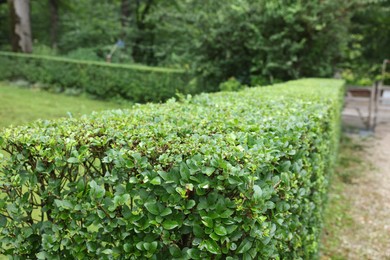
<point>102,80</point>
<point>232,175</point>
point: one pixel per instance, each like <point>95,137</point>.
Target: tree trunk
<point>54,22</point>
<point>125,16</point>
<point>21,26</point>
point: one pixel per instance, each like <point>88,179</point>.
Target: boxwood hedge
<point>136,83</point>
<point>232,175</point>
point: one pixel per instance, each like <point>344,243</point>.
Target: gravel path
<point>369,196</point>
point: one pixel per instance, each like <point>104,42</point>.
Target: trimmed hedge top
<point>136,83</point>
<point>219,176</point>
<point>102,64</point>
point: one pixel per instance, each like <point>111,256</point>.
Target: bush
<point>102,80</point>
<point>231,85</point>
<point>231,175</point>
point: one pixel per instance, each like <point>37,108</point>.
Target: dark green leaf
<point>212,246</point>
<point>152,208</point>
<point>220,230</point>
<point>170,224</point>
<point>244,246</point>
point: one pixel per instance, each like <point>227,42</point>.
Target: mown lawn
<point>23,105</point>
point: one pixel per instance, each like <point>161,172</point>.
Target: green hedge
<point>102,80</point>
<point>232,175</point>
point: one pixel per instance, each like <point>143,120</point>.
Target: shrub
<point>102,80</point>
<point>231,84</point>
<point>231,175</point>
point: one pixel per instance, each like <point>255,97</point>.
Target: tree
<point>53,4</point>
<point>21,26</point>
<point>138,29</point>
<point>256,41</point>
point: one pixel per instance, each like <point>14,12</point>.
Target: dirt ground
<point>369,197</point>
<point>367,234</point>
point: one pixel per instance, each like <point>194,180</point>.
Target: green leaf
<point>194,253</point>
<point>220,230</point>
<point>42,255</point>
<point>285,178</point>
<point>152,208</point>
<point>190,204</point>
<point>184,172</point>
<point>227,213</point>
<point>63,204</point>
<point>139,245</point>
<point>156,181</point>
<point>230,229</point>
<point>146,245</point>
<point>166,212</point>
<point>207,221</point>
<point>96,190</point>
<point>244,246</point>
<point>120,200</point>
<point>164,175</point>
<point>208,170</point>
<point>285,166</point>
<point>3,221</point>
<point>203,204</point>
<point>107,251</point>
<point>170,224</point>
<point>153,246</point>
<point>198,231</point>
<point>72,160</point>
<point>270,205</point>
<point>246,256</point>
<point>175,251</point>
<point>127,247</point>
<point>212,246</point>
<point>257,192</point>
<point>214,236</point>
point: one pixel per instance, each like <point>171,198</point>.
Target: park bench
<point>369,104</point>
<point>382,98</point>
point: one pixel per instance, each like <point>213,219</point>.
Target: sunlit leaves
<point>228,175</point>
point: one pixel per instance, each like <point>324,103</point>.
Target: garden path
<point>369,198</point>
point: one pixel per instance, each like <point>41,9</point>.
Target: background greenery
<point>253,41</point>
<point>135,83</point>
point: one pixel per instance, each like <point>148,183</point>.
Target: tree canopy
<point>250,40</point>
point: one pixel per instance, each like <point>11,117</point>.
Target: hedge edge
<point>96,63</point>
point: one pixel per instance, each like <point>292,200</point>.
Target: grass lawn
<point>23,105</point>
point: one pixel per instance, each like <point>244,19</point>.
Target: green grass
<point>349,167</point>
<point>23,105</point>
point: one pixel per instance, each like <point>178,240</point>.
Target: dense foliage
<point>232,175</point>
<point>369,43</point>
<point>254,41</point>
<point>260,41</point>
<point>101,80</point>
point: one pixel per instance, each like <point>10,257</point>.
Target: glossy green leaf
<point>152,208</point>
<point>220,230</point>
<point>257,192</point>
<point>170,224</point>
<point>244,246</point>
<point>212,246</point>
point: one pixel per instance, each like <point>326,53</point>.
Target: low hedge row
<point>102,80</point>
<point>232,175</point>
